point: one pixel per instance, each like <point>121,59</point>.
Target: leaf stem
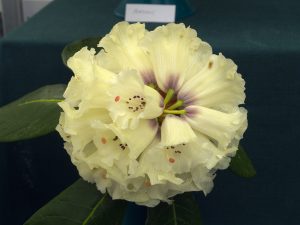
<point>169,96</point>
<point>176,105</point>
<point>176,112</point>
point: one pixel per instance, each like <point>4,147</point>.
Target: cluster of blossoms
<point>153,114</point>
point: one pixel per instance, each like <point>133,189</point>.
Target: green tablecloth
<point>261,36</point>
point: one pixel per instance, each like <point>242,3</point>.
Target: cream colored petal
<point>88,88</point>
<point>162,164</point>
<point>109,149</point>
<point>121,192</point>
<point>162,177</point>
<point>125,108</point>
<point>86,95</point>
<point>137,139</point>
<point>176,54</point>
<point>130,100</point>
<point>159,191</point>
<point>150,203</point>
<point>60,128</point>
<point>122,50</point>
<point>170,178</point>
<point>84,171</point>
<point>226,129</point>
<point>179,158</point>
<point>165,191</point>
<point>217,86</point>
<point>81,64</point>
<point>102,182</point>
<point>74,117</point>
<point>154,103</point>
<point>153,159</point>
<point>78,129</point>
<point>208,154</point>
<point>203,178</point>
<point>175,130</point>
<point>182,158</point>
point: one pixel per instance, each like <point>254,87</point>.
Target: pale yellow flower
<point>153,114</point>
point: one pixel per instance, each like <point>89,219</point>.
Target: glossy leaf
<point>33,115</point>
<point>183,211</point>
<point>80,204</point>
<point>70,49</point>
<point>241,164</point>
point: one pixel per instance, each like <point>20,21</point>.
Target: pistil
<point>176,105</point>
<point>169,96</point>
<point>175,112</point>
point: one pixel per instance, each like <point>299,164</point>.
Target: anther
<point>136,103</point>
<point>115,138</point>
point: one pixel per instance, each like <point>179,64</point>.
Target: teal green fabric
<point>183,7</point>
<point>261,36</point>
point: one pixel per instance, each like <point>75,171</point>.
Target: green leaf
<point>80,204</point>
<point>75,46</point>
<point>241,164</point>
<point>33,115</point>
<point>183,211</point>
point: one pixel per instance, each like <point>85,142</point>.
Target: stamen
<point>115,138</point>
<point>122,146</point>
<point>176,112</point>
<point>176,105</point>
<point>169,96</point>
<point>136,103</point>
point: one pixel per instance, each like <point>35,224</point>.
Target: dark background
<point>261,36</point>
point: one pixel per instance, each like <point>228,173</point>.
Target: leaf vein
<point>40,101</point>
<point>94,210</point>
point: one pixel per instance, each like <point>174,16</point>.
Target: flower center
<point>121,146</point>
<point>136,103</point>
<point>172,105</point>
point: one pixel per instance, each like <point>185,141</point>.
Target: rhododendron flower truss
<point>153,114</point>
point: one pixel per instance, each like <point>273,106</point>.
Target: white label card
<point>150,13</point>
